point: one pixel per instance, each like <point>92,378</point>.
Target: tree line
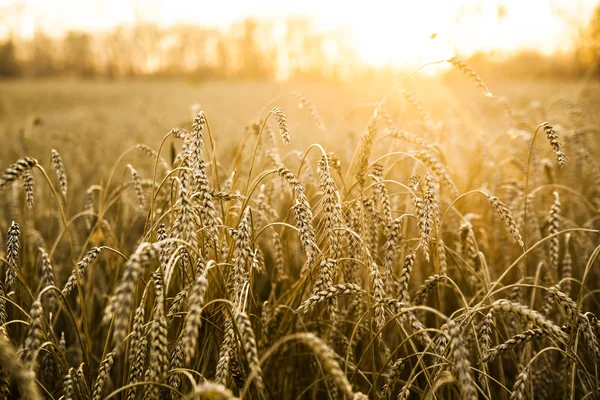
<point>253,49</point>
<point>281,49</point>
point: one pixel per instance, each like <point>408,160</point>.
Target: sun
<point>402,35</point>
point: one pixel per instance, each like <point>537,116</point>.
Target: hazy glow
<point>382,32</point>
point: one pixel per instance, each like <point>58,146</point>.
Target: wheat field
<point>167,241</point>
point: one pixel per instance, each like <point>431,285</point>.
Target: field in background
<point>388,243</point>
<point>76,114</point>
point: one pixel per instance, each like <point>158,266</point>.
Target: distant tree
<point>78,57</point>
<point>253,63</point>
<point>9,66</point>
<point>42,62</point>
<point>588,50</point>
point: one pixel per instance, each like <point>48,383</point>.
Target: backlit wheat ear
<point>59,168</point>
<point>3,315</point>
<point>438,169</point>
<point>304,103</point>
<point>407,266</point>
<point>137,185</point>
<point>103,375</point>
<point>378,296</point>
<point>158,356</point>
<point>333,215</point>
<point>424,222</point>
<point>381,194</point>
<point>176,362</point>
<point>47,278</point>
<point>567,268</point>
<point>68,389</point>
<point>442,259</point>
<point>393,377</point>
<point>421,295</point>
<point>583,324</point>
<point>423,115</point>
<point>468,71</point>
<point>364,150</point>
<point>28,185</point>
<point>518,392</point>
<point>13,246</point>
<point>328,293</point>
<point>242,256</point>
<point>553,223</point>
<point>80,269</point>
<point>245,327</point>
<point>394,236</point>
<point>408,317</point>
<point>413,139</point>
<point>225,354</point>
<point>552,137</point>
<point>80,382</point>
<point>34,338</point>
<point>330,366</point>
<point>512,343</point>
<point>16,170</point>
<point>530,315</point>
<point>485,342</point>
<point>22,378</point>
<point>136,373</point>
<point>142,148</point>
<point>137,331</point>
<point>507,218</point>
<point>208,212</point>
<point>326,275</point>
<point>386,118</point>
<point>123,301</point>
<point>278,258</point>
<point>178,133</point>
<point>284,130</point>
<point>194,318</point>
<point>212,390</point>
<point>262,202</point>
<point>468,245</point>
<point>302,213</point>
<point>462,365</point>
<point>88,205</point>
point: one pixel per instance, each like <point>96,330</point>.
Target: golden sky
<point>382,31</point>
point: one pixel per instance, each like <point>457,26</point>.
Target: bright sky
<point>383,31</point>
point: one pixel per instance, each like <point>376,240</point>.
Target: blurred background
<point>282,40</point>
